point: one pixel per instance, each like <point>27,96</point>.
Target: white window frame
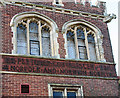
<point>53,34</point>
<point>64,88</point>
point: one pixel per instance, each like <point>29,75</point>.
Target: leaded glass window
<point>81,43</point>
<point>33,37</point>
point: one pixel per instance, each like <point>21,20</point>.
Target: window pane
<point>33,29</point>
<point>34,40</point>
<point>81,44</point>
<point>57,94</point>
<point>82,52</point>
<point>34,47</point>
<point>71,45</point>
<point>91,46</point>
<point>71,94</point>
<point>46,47</point>
<point>21,39</point>
<point>80,34</point>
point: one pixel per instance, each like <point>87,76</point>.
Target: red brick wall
<point>79,7</point>
<point>9,11</point>
<point>53,66</point>
<point>39,85</point>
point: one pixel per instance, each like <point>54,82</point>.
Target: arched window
<point>34,34</point>
<point>33,37</point>
<point>83,41</point>
<point>76,43</point>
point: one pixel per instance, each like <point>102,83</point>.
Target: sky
<point>112,7</point>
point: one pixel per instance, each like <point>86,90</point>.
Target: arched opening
<point>88,40</point>
<point>36,33</point>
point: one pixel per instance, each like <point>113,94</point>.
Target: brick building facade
<point>56,48</point>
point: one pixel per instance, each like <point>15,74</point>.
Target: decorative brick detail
<point>50,66</point>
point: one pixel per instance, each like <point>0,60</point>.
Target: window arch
<point>34,34</point>
<point>87,43</point>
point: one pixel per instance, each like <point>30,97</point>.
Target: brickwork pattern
<point>60,67</point>
<point>9,11</point>
<point>39,85</point>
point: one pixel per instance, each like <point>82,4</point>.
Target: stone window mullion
<point>16,49</point>
<point>86,44</point>
<point>65,92</point>
<point>76,43</point>
<point>51,42</point>
<point>28,38</point>
<point>40,39</point>
<point>82,92</point>
<point>96,47</point>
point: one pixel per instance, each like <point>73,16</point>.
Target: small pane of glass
<point>33,29</point>
<point>57,94</point>
<point>82,52</point>
<point>34,47</point>
<point>71,94</point>
<point>80,34</point>
<point>70,35</point>
<point>90,38</point>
